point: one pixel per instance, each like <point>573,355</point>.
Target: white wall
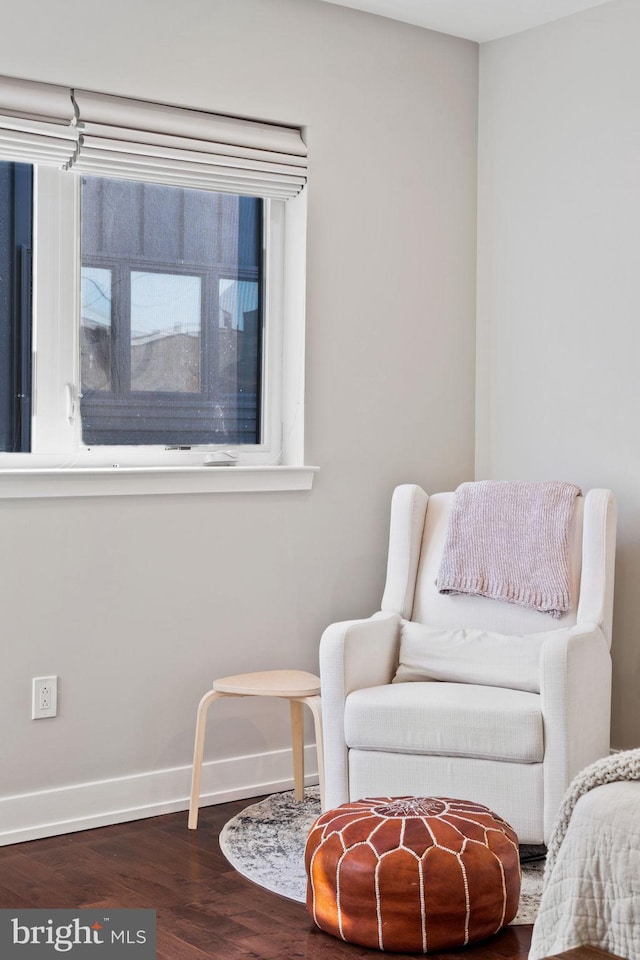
<point>559,280</point>
<point>137,603</point>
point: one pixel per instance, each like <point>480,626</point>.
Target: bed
<point>591,891</point>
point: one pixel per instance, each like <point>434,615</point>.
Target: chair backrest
<point>418,530</point>
<point>443,610</point>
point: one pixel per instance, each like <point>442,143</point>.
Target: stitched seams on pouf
<point>413,874</point>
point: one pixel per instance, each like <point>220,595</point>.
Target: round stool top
<point>270,683</point>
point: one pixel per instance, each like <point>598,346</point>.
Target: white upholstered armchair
<point>515,702</point>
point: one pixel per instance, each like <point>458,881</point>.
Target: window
<point>15,307</point>
<point>168,260</point>
<point>171,315</point>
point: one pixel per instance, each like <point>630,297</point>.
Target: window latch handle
<point>73,396</point>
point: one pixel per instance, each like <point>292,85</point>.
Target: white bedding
<point>592,886</point>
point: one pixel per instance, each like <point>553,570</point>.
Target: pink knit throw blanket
<point>509,540</point>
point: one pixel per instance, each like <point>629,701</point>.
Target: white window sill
<point>45,482</point>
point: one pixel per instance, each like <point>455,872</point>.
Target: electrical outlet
<point>44,697</point>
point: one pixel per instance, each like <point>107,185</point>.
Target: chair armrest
<point>575,691</point>
<point>353,654</point>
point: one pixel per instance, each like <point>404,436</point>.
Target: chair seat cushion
<point>449,719</point>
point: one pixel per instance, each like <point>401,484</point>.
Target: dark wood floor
<point>204,908</point>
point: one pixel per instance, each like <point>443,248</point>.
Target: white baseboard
<point>48,813</point>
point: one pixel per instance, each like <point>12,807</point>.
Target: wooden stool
<point>296,686</point>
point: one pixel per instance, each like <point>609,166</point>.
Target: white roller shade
<point>164,144</point>
<point>36,122</point>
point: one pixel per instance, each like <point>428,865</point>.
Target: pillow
<point>471,656</point>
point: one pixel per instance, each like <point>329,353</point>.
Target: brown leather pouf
<point>413,874</point>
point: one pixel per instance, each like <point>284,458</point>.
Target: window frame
<point>56,423</point>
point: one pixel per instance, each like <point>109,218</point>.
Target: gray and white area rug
<point>265,843</point>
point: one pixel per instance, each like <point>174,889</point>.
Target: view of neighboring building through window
<point>171,315</point>
<point>15,306</point>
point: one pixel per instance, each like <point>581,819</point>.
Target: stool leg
<point>315,705</point>
<point>297,743</point>
<point>198,751</point>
